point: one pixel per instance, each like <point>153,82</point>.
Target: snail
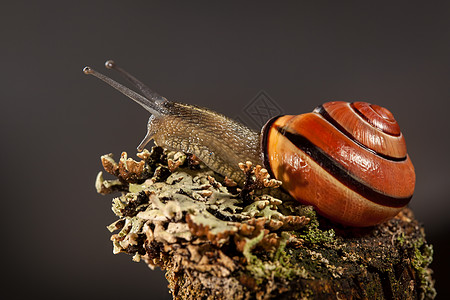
<point>348,160</point>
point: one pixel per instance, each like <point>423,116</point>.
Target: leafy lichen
<point>217,241</point>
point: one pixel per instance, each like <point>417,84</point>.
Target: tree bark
<point>218,242</point>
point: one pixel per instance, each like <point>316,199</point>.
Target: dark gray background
<point>56,122</point>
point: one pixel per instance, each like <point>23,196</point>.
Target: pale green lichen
<point>191,203</point>
<point>105,186</point>
<point>177,214</point>
<point>250,245</point>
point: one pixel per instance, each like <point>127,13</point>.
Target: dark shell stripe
<point>321,110</point>
<point>381,174</point>
<point>340,173</point>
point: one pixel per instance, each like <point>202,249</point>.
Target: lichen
<point>214,238</point>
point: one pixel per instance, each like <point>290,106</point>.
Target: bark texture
<point>217,241</point>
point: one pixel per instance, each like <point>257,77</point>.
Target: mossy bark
<point>389,261</point>
<point>177,215</point>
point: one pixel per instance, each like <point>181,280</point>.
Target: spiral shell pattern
<point>348,160</point>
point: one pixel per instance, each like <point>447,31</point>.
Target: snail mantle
<point>218,241</point>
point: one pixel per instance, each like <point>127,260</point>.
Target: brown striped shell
<point>348,160</point>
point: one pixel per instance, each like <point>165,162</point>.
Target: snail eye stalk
<point>149,104</point>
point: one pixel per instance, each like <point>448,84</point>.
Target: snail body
<point>348,160</point>
<point>216,140</point>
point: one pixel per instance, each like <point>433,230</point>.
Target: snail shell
<point>348,160</point>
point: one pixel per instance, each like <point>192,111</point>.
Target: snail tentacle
<point>150,105</point>
<point>143,88</point>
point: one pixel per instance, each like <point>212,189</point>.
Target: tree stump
<point>217,241</point>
